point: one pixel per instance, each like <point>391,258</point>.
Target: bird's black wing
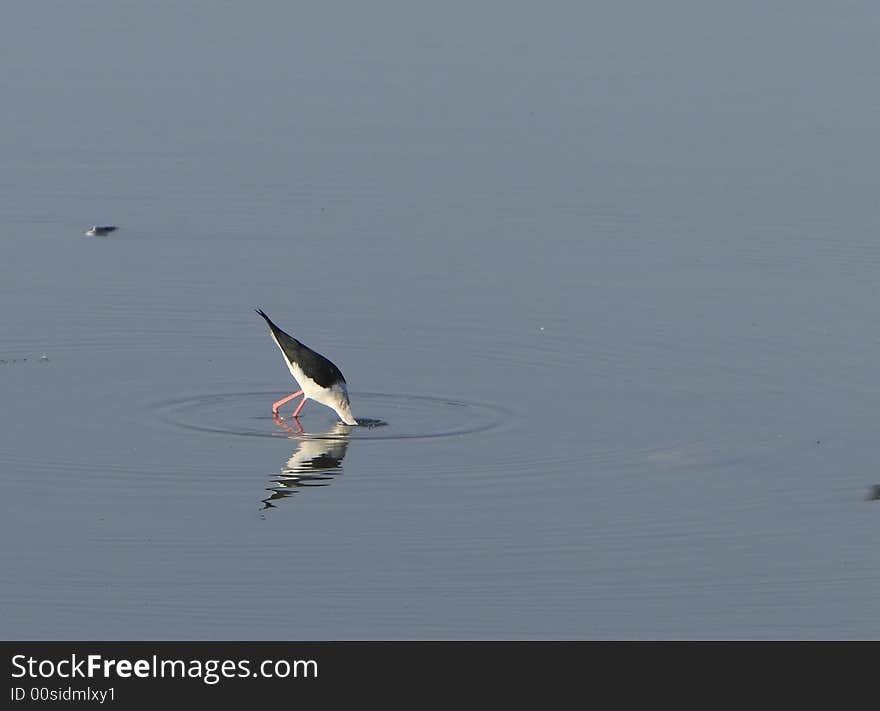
<point>312,363</point>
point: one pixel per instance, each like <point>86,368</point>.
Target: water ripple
<point>389,416</point>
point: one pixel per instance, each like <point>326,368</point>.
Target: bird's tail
<point>268,320</point>
<point>272,327</point>
<point>289,346</point>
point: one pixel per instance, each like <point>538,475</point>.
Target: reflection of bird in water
<point>319,379</point>
<point>315,463</point>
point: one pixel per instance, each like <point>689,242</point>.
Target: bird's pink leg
<point>301,406</point>
<point>278,404</point>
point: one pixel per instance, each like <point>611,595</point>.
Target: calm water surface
<point>603,280</point>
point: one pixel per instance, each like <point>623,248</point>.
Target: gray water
<point>602,278</point>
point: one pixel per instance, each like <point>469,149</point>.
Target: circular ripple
<point>386,416</point>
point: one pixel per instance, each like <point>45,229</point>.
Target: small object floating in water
<point>319,379</point>
<point>874,493</point>
<point>44,358</point>
<point>101,230</point>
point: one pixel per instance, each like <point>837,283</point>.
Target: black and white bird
<point>318,378</point>
<point>101,230</point>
